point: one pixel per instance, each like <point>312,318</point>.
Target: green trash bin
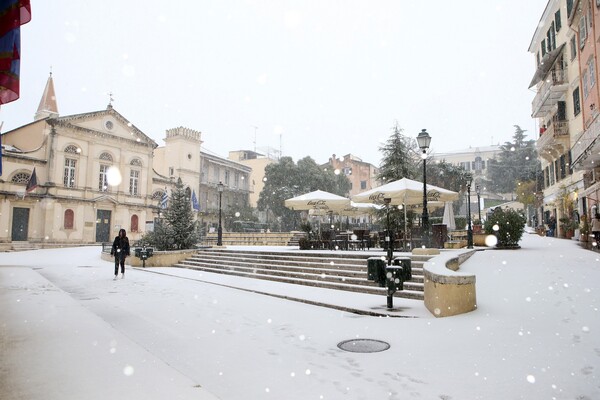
<point>394,278</point>
<point>405,263</point>
<point>376,270</point>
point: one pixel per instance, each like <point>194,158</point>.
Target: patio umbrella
<point>408,193</point>
<point>405,191</point>
<point>318,200</point>
<point>448,219</point>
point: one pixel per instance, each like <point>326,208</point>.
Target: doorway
<point>103,226</point>
<point>20,224</point>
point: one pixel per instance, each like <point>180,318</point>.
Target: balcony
<point>555,141</point>
<point>551,91</point>
<point>586,151</point>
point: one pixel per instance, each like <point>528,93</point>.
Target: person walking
<point>596,228</point>
<point>120,249</point>
<point>551,226</point>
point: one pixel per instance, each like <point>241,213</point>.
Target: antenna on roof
<point>255,128</point>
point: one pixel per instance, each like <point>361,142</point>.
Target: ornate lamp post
<point>389,238</point>
<point>423,141</point>
<point>478,191</point>
<point>220,188</point>
<point>469,227</point>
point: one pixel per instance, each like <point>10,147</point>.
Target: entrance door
<point>103,226</point>
<point>20,224</point>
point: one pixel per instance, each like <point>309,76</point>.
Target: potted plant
<point>568,227</point>
<point>508,226</point>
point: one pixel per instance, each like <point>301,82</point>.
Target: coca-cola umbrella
<point>318,200</point>
<point>405,191</point>
<point>408,193</point>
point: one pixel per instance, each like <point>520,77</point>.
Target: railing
<point>585,141</point>
<point>558,131</point>
<point>556,79</point>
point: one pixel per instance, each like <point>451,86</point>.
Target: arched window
<point>106,157</point>
<point>134,223</point>
<point>68,219</point>
<point>72,149</point>
<point>21,177</point>
<point>136,162</point>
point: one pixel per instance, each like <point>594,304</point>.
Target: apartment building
<point>585,152</point>
<point>560,103</point>
<point>362,175</point>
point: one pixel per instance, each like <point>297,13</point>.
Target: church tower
<point>48,106</point>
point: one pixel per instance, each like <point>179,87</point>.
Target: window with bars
<point>134,178</point>
<point>69,173</point>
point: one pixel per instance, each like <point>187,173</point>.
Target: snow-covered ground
<point>68,331</point>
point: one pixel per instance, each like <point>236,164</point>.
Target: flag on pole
<point>13,14</point>
<point>32,184</point>
<point>195,204</point>
<point>1,123</point>
<point>164,200</point>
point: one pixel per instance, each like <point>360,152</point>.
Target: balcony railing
<point>551,91</point>
<point>582,147</point>
<point>555,141</point>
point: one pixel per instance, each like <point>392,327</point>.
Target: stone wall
<point>448,291</point>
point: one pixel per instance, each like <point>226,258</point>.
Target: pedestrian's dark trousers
<point>119,260</point>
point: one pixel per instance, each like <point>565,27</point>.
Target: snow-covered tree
<point>178,228</point>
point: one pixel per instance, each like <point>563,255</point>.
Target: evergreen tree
<point>178,229</point>
<point>517,162</point>
<point>399,157</point>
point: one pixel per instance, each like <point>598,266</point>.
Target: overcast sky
<point>312,77</point>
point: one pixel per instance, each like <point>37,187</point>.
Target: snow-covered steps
<point>339,270</point>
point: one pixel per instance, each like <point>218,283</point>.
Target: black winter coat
<point>121,244</point>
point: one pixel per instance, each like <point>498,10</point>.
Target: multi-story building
<point>257,162</point>
<point>236,190</point>
<point>584,20</point>
<point>362,175</point>
<point>97,172</point>
<point>476,161</point>
<point>562,102</point>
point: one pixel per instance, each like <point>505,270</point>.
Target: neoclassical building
<point>96,173</point>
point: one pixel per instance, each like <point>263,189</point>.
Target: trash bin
<point>440,234</point>
<point>394,280</point>
<point>405,263</point>
<point>376,270</point>
<point>137,251</point>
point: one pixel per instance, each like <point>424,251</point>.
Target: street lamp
<point>423,140</point>
<point>478,191</point>
<point>469,228</point>
<point>220,188</point>
<point>388,237</point>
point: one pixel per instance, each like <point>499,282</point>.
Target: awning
<point>546,64</point>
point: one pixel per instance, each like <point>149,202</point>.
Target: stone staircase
<point>340,271</point>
